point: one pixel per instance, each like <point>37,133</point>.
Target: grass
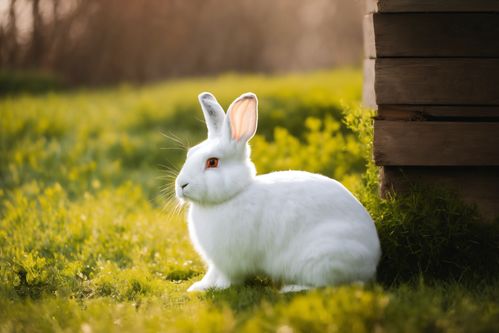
<point>90,239</point>
<point>13,82</point>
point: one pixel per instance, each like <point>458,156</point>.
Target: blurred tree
<point>8,37</point>
<point>105,41</point>
<point>12,33</point>
<point>37,47</point>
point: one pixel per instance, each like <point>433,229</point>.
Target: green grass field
<point>91,239</point>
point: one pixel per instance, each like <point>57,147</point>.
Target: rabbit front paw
<point>198,286</point>
<point>203,286</point>
<point>213,279</point>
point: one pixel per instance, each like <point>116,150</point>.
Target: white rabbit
<point>302,229</point>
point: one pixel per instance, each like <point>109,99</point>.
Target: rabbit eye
<point>212,162</point>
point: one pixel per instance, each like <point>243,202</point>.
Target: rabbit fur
<point>302,229</point>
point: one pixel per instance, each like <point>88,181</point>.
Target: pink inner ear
<point>243,118</point>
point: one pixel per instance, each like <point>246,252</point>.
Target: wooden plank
<point>368,92</point>
<point>369,37</point>
<point>371,6</point>
<point>440,81</point>
<point>427,143</point>
<point>476,185</point>
<point>432,35</point>
<point>416,6</point>
<point>438,112</point>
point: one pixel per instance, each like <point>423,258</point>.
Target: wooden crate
<point>432,72</point>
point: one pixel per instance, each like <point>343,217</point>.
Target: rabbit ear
<point>242,118</point>
<point>213,114</point>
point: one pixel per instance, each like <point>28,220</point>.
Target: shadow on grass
<point>430,233</point>
<point>248,296</point>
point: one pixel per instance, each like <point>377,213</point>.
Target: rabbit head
<point>219,168</point>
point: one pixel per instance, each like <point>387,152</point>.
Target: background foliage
<point>89,242</point>
<point>107,41</point>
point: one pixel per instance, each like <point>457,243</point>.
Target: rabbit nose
<point>184,185</point>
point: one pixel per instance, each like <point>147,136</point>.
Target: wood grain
<point>397,6</point>
<point>369,37</point>
<point>432,35</point>
<point>476,185</point>
<point>438,112</point>
<point>427,143</point>
<point>368,92</point>
<point>442,81</point>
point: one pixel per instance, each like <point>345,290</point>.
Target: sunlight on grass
<point>91,239</point>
